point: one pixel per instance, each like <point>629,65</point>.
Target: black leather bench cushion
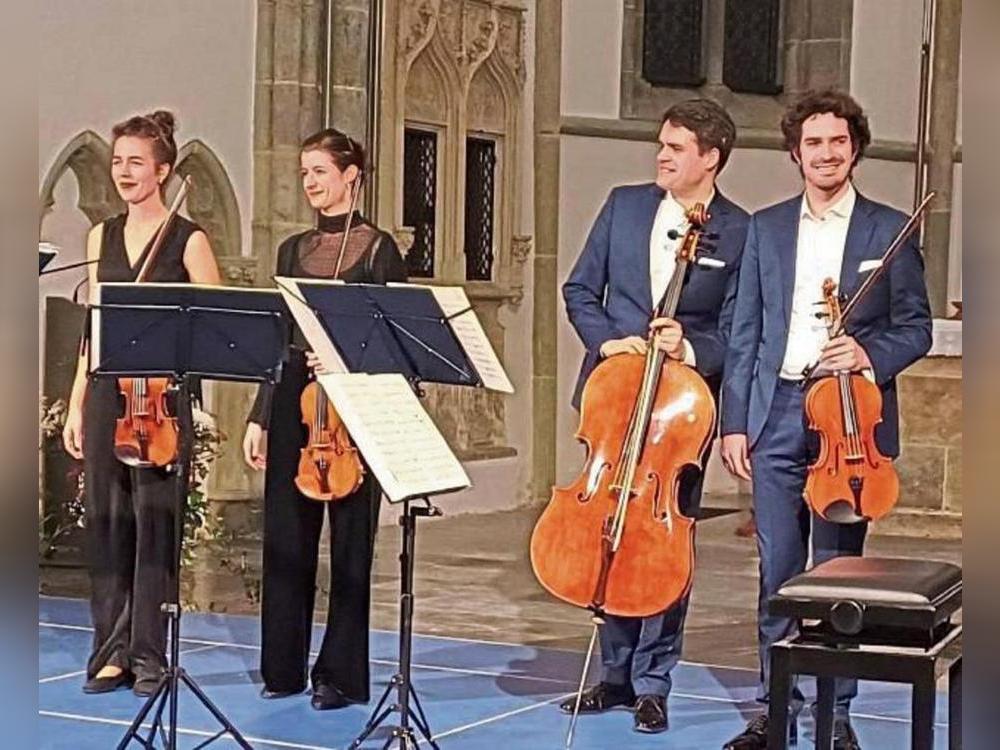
<point>879,581</point>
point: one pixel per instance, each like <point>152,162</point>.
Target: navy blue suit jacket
<point>892,324</point>
<point>608,293</point>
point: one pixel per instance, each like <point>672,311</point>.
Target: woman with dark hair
<point>130,511</point>
<point>332,169</point>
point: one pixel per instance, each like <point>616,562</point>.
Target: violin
<point>329,465</point>
<point>615,541</point>
<point>851,480</point>
<point>146,433</point>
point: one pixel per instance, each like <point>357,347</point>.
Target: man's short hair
<point>710,123</point>
<point>819,102</point>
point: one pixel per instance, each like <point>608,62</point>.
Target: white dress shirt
<point>663,254</point>
<point>819,255</point>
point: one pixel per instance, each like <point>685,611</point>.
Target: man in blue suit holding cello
<point>828,231</point>
<point>610,295</point>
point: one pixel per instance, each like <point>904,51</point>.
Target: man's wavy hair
<point>837,103</point>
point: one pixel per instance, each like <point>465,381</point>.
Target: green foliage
<point>199,523</point>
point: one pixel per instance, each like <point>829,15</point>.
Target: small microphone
<point>710,262</point>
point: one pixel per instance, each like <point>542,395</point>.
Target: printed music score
<point>470,334</point>
<point>309,324</point>
<point>399,441</point>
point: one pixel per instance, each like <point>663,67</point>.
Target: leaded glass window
<point>420,198</point>
<point>480,183</point>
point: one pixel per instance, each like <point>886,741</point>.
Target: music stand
<point>200,331</point>
<point>392,329</point>
<point>46,253</point>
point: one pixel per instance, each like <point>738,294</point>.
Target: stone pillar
<point>548,52</point>
<point>946,51</point>
<point>348,74</point>
<point>287,108</point>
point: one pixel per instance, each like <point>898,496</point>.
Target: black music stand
<point>207,332</point>
<point>392,329</point>
<point>395,329</point>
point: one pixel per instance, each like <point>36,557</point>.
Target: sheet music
<point>309,324</point>
<point>400,442</point>
<point>471,335</point>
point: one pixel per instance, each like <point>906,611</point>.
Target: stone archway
<point>88,156</point>
<point>212,200</point>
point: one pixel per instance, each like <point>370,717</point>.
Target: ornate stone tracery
<point>458,70</point>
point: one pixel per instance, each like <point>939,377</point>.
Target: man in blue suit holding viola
<point>828,231</point>
<point>610,295</point>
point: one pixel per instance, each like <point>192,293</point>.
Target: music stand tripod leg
<point>169,684</point>
<point>400,682</point>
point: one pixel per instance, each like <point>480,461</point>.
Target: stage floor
<point>478,695</point>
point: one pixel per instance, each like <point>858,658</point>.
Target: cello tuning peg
<point>711,235</point>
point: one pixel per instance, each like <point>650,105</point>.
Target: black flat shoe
<point>145,686</point>
<point>754,737</point>
<point>650,714</point>
<point>268,694</point>
<point>844,737</point>
<point>108,684</point>
<point>328,698</point>
<point>600,697</point>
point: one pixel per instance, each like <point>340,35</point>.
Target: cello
<point>146,435</point>
<point>851,480</point>
<point>615,541</point>
<point>329,465</point>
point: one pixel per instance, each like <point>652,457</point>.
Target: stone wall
<point>930,463</point>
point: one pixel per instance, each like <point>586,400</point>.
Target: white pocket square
<point>869,265</point>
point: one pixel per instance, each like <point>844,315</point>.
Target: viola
<point>146,433</point>
<point>615,541</point>
<point>851,480</point>
<point>329,465</point>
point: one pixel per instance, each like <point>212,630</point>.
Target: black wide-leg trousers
<point>130,538</point>
<point>292,528</point>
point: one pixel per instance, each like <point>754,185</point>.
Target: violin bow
<point>355,192</point>
<point>161,233</point>
<point>904,234</point>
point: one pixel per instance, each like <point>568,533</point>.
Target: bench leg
<point>824,712</point>
<point>779,695</point>
<point>923,713</point>
<point>955,706</point>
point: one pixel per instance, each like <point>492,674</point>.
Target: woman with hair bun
<point>332,170</point>
<point>130,511</point>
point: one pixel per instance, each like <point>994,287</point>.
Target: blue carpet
<point>477,696</point>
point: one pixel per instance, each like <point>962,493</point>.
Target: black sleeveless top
<point>169,265</point>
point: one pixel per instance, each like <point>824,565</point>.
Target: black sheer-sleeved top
<point>370,257</point>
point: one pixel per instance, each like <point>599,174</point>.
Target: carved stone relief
<point>460,68</point>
